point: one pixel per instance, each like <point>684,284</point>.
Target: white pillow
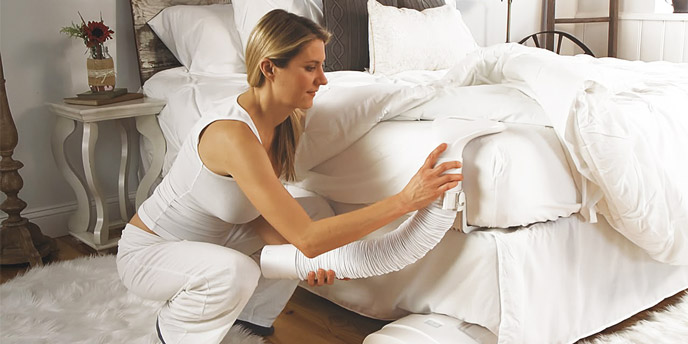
<point>402,39</point>
<point>202,38</point>
<point>247,13</point>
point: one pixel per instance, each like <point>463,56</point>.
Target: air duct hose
<point>365,258</point>
<point>393,251</point>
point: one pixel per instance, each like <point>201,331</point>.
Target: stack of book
<point>101,98</point>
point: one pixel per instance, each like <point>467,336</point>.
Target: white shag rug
<point>81,301</point>
<point>666,326</point>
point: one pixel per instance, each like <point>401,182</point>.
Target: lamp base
<point>23,242</point>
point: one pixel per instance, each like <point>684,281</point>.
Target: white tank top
<point>194,203</point>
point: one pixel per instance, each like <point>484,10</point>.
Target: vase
<point>101,70</point>
<point>680,6</point>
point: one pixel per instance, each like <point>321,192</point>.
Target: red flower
<point>96,33</point>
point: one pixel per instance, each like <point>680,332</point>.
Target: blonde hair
<point>279,36</point>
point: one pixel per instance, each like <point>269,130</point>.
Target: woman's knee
<point>235,277</point>
<point>226,287</point>
<point>247,272</point>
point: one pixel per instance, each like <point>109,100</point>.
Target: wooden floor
<point>307,318</point>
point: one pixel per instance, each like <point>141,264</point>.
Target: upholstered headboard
<point>152,54</point>
<point>347,20</point>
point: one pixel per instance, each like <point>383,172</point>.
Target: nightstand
<point>145,112</point>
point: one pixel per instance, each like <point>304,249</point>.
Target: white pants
<point>206,286</point>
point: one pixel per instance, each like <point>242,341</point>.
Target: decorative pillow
<point>202,38</point>
<point>347,20</point>
<point>247,13</point>
<point>403,39</point>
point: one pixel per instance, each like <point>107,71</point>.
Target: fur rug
<point>667,326</point>
<point>81,301</point>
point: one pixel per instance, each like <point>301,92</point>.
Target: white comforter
<point>624,125</point>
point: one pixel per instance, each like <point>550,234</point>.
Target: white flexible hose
<point>401,247</point>
<point>365,258</point>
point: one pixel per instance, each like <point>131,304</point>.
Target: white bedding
<point>517,177</point>
<point>512,179</point>
<point>625,126</point>
<point>552,282</point>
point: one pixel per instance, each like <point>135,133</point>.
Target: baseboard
<point>53,219</point>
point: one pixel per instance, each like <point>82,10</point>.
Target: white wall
<point>594,35</point>
<point>42,65</point>
<point>526,18</point>
<point>487,19</point>
<point>600,7</point>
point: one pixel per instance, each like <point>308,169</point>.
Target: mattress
<point>513,178</point>
<point>517,283</point>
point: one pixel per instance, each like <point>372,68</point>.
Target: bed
<point>566,238</point>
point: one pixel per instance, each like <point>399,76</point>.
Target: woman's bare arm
<point>229,147</point>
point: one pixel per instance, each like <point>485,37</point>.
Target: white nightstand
<point>145,112</point>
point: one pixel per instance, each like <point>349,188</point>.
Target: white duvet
<point>623,124</point>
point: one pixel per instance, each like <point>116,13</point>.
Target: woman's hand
<point>321,278</point>
<point>430,181</point>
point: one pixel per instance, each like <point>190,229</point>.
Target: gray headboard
<point>152,54</point>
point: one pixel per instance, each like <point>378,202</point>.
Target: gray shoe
<point>254,329</point>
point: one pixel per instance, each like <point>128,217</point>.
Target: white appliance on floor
<point>430,329</point>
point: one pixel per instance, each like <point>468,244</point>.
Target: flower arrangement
<point>100,67</point>
<point>93,33</point>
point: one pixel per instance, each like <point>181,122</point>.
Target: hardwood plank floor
<point>307,318</point>
<point>68,248</point>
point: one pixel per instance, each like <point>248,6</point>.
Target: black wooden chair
<point>539,38</point>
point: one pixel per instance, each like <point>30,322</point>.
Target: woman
<point>223,198</point>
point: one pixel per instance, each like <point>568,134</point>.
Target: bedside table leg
<point>64,127</point>
<point>101,231</point>
<point>124,167</point>
<point>149,128</point>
